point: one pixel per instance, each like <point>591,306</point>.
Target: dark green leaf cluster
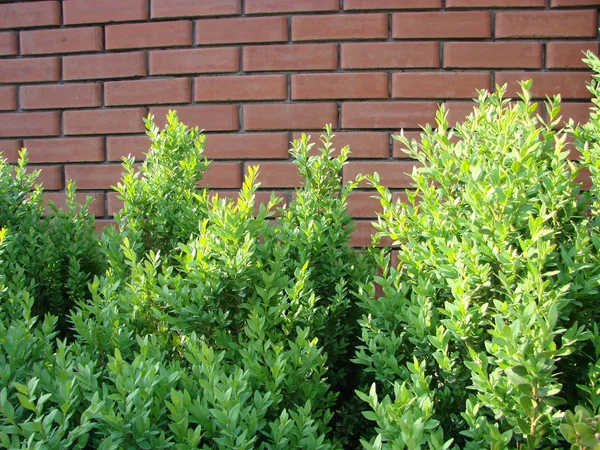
<point>486,331</point>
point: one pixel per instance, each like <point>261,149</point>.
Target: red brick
<point>148,92</point>
<point>363,233</point>
<point>148,35</point>
<point>391,4</point>
<point>568,55</point>
<point>336,27</point>
<point>567,84</point>
<point>290,57</point>
<point>84,11</point>
<point>119,146</point>
<point>260,197</point>
<point>30,124</point>
<point>540,24</point>
<point>9,150</point>
<point>111,65</point>
<point>65,150</point>
<point>65,40</point>
<point>276,174</point>
<point>427,25</point>
<point>27,70</point>
<point>297,116</point>
<point>363,204</point>
<point>197,60</point>
<point>439,84</point>
<point>50,177</point>
<point>94,176</point>
<point>8,98</point>
<point>100,224</point>
<point>60,96</point>
<point>60,201</point>
<point>457,111</point>
<point>240,87</point>
<point>339,85</point>
<point>495,3</point>
<point>104,121</point>
<point>247,146</point>
<point>195,8</point>
<point>25,15</point>
<point>493,55</point>
<point>282,6</point>
<point>578,112</point>
<point>8,43</point>
<point>393,115</point>
<point>363,144</point>
<point>223,175</point>
<point>237,30</point>
<point>383,55</point>
<point>207,117</point>
<point>114,203</point>
<point>393,174</point>
<point>560,3</point>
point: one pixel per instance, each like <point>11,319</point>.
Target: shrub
<point>215,326</point>
<point>51,256</point>
<point>488,322</point>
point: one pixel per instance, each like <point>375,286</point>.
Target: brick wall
<point>78,76</point>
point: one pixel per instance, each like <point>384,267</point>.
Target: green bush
<point>215,325</point>
<point>486,330</point>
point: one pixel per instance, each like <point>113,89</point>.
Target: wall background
<point>78,76</point>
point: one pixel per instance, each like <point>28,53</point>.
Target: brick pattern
<point>78,77</point>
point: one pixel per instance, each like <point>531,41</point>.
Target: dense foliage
<point>203,322</point>
<point>487,329</point>
<point>213,326</point>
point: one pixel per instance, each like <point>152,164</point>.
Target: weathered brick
<point>283,6</point>
<point>390,115</point>
<point>195,8</point>
<point>568,55</point>
<point>363,144</point>
<point>197,60</point>
<point>241,29</point>
<point>119,146</point>
<point>111,65</point>
<point>8,98</point>
<point>104,121</point>
<point>567,84</point>
<point>64,40</point>
<point>30,124</point>
<point>65,150</point>
<point>207,117</point>
<point>247,146</point>
<point>543,24</point>
<point>223,175</point>
<point>148,92</point>
<point>84,11</point>
<point>332,27</point>
<point>27,15</point>
<point>148,35</point>
<point>391,4</point>
<point>382,55</point>
<point>60,96</point>
<point>29,70</point>
<point>428,25</point>
<point>439,84</point>
<point>297,116</point>
<point>339,85</point>
<point>240,87</point>
<point>526,55</point>
<point>94,176</point>
<point>290,57</point>
<point>8,43</point>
